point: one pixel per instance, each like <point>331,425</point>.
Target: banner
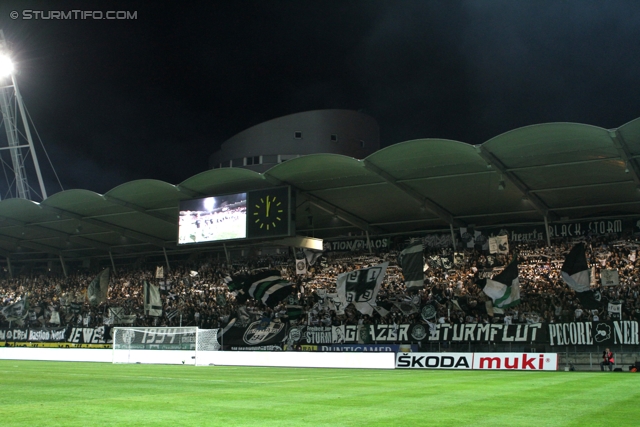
<point>255,334</point>
<point>516,361</point>
<point>301,266</point>
<point>482,361</point>
<point>609,277</point>
<point>590,333</point>
<point>499,245</point>
<point>99,335</point>
<point>434,360</point>
<point>152,302</point>
<point>356,245</point>
<point>33,334</point>
<point>377,348</point>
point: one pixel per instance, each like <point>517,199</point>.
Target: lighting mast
<point>11,106</point>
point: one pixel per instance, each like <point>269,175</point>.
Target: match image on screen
<point>213,218</point>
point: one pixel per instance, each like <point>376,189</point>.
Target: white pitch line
<point>214,380</point>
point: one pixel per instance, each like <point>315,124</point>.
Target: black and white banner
<point>99,335</point>
<point>593,333</point>
<point>356,245</point>
<point>255,334</point>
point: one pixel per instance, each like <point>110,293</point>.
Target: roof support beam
<point>575,187</point>
<point>328,207</point>
<point>563,164</point>
<point>494,162</point>
<point>630,162</point>
<point>117,229</point>
<point>33,245</point>
<point>140,209</point>
<point>423,201</point>
<point>78,239</point>
<point>603,205</point>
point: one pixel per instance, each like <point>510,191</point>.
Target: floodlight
<point>6,65</point>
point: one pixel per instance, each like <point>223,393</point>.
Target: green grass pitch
<point>100,394</point>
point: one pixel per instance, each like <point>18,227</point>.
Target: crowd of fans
<point>197,294</point>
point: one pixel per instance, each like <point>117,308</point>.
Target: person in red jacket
<point>607,360</point>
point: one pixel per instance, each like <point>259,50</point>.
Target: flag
<point>504,288</point>
<point>221,299</point>
<point>407,307</point>
<point>609,277</point>
<point>160,272</point>
<point>412,263</point>
<point>312,255</point>
<point>266,286</point>
<point>301,266</point>
<point>467,236</point>
<point>16,311</point>
<point>499,245</point>
<point>294,312</point>
<point>55,317</point>
<point>428,311</point>
<point>383,308</point>
<point>193,273</point>
<point>152,302</point>
<point>98,288</point>
<point>119,318</point>
<point>172,313</point>
<point>360,287</point>
<point>576,273</point>
<point>615,308</point>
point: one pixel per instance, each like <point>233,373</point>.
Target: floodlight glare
<point>6,66</point>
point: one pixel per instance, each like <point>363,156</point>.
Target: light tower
<point>11,106</point>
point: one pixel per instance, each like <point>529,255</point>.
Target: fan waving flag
<point>152,302</point>
<point>504,288</point>
<point>412,263</point>
<point>266,286</point>
<point>576,274</point>
<point>98,288</point>
<point>16,311</point>
<point>360,287</point>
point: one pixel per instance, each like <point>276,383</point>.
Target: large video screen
<point>213,218</point>
<point>257,214</point>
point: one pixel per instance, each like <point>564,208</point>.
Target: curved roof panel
<point>422,158</point>
<point>223,181</point>
<point>551,143</point>
<point>321,171</point>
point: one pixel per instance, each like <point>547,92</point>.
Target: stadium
<point>311,277</point>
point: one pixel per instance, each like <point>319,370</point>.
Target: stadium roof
<point>559,170</point>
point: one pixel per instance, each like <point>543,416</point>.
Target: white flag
<point>152,302</point>
<point>615,308</point>
<point>159,272</point>
<point>609,277</point>
<point>301,266</point>
<point>499,245</point>
<point>360,287</point>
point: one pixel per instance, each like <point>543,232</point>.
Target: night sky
<point>153,97</point>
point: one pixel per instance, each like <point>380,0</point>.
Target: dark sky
<point>153,97</point>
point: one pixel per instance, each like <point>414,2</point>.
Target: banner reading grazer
<point>576,333</point>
